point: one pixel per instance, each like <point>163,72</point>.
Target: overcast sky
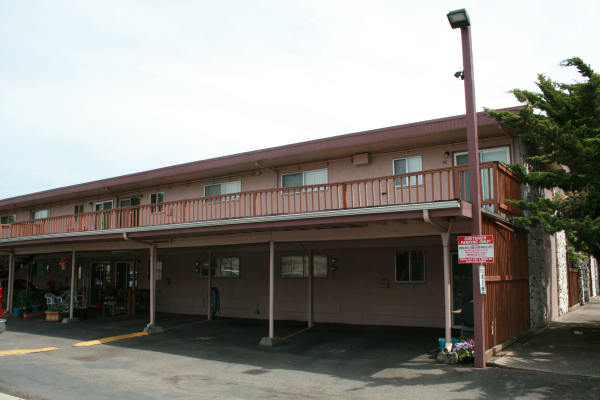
<point>91,90</point>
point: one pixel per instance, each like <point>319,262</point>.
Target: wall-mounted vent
<point>360,159</point>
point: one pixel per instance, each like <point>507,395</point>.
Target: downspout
<point>445,234</point>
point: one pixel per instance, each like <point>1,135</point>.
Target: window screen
<point>407,166</point>
<point>295,266</point>
<point>226,267</point>
<point>212,190</point>
<point>41,214</point>
<point>8,219</point>
<point>291,180</point>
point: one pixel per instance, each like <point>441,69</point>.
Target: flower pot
<point>442,342</point>
<point>53,316</point>
<point>32,314</point>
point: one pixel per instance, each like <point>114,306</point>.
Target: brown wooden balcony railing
<point>498,184</point>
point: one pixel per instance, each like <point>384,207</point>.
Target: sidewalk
<point>570,345</point>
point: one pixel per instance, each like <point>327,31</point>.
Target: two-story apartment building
<point>346,229</point>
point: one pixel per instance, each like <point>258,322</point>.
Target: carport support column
<point>11,282</point>
<point>209,302</point>
<point>271,340</point>
<point>152,328</point>
<point>447,290</point>
<point>72,288</point>
<point>310,289</point>
<point>271,289</point>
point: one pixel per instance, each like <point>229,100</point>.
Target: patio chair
<point>52,299</point>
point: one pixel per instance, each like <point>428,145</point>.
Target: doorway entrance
<point>462,287</point>
<point>101,283</point>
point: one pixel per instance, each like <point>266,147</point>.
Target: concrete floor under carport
<point>346,351</point>
<point>331,361</point>
<point>359,288</point>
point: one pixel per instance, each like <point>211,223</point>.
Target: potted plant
<point>22,302</point>
<point>54,312</point>
<point>464,350</point>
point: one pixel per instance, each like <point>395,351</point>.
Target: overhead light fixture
<point>459,18</point>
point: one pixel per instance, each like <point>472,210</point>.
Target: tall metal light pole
<point>460,19</point>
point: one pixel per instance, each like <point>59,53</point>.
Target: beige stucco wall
<point>338,171</point>
<point>352,294</point>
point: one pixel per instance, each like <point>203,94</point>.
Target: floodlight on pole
<point>460,19</point>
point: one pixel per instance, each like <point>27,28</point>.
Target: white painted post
<point>72,289</point>
<point>271,288</point>
<point>208,313</point>
<point>447,290</point>
<point>152,285</point>
<point>310,289</point>
<point>11,282</point>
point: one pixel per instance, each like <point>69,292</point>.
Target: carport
<point>341,269</point>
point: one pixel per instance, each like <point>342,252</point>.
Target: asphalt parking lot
<point>221,359</point>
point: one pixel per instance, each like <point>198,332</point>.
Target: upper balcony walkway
<point>498,184</point>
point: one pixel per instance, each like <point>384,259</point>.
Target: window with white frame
<point>103,205</point>
<point>501,154</point>
<point>39,214</point>
<point>410,266</point>
<point>486,155</point>
<point>157,198</point>
<point>408,165</point>
<point>8,219</point>
<point>296,266</point>
<point>129,202</point>
<point>223,188</point>
<point>304,178</point>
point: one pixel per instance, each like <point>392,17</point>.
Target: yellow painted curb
<point>110,339</point>
<point>26,351</point>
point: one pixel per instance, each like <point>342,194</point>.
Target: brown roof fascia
<point>259,156</point>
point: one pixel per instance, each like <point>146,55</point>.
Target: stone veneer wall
<point>539,254</point>
<point>595,283</point>
<point>584,281</point>
<point>561,259</point>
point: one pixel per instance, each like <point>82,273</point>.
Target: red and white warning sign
<point>476,249</point>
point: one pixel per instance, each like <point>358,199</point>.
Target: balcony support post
<point>11,282</point>
<point>72,287</point>
<point>445,232</point>
<point>271,289</point>
<point>151,327</point>
<point>271,340</point>
<point>208,306</point>
<point>310,289</point>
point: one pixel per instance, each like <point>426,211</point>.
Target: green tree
<point>560,126</point>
